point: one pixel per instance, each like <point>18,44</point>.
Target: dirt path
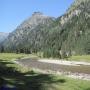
<point>78,70</point>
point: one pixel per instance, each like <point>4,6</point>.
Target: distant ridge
<point>3,36</point>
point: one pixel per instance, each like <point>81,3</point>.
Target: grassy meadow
<point>14,56</point>
<point>21,78</point>
<point>80,58</point>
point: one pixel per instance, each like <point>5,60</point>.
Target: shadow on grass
<point>15,80</point>
<point>87,89</point>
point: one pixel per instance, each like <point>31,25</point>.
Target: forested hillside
<point>54,37</point>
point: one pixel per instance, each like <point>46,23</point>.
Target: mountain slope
<point>71,34</point>
<point>64,36</point>
<point>78,26</point>
<point>3,36</point>
<point>30,33</point>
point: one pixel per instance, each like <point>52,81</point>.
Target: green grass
<point>80,58</point>
<point>13,75</point>
<point>13,56</point>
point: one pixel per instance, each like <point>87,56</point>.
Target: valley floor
<point>13,75</point>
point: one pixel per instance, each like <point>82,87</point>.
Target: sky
<point>14,12</point>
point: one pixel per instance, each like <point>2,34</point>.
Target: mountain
<point>3,36</point>
<point>54,37</point>
<point>30,33</point>
<point>77,23</point>
<point>71,33</point>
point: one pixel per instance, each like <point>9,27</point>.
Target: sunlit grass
<point>13,56</point>
<point>80,58</point>
<point>70,84</point>
<point>10,57</point>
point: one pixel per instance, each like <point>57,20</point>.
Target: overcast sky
<point>13,12</point>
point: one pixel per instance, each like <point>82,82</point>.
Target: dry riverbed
<point>80,70</point>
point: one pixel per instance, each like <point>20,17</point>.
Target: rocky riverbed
<point>72,69</point>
